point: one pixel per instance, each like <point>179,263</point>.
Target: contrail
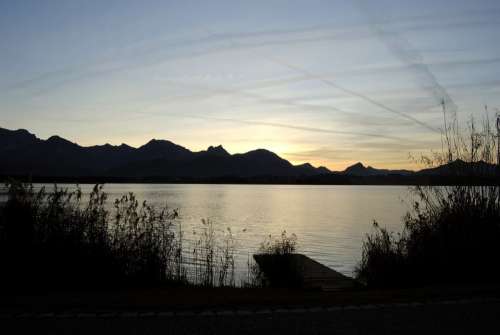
<point>348,91</point>
<point>276,124</point>
<point>353,93</point>
<point>407,54</point>
<point>264,99</point>
<point>238,121</point>
<point>76,74</point>
<point>283,125</point>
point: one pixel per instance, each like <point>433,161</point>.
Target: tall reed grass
<point>55,239</point>
<point>214,256</point>
<point>62,239</point>
<point>452,235</point>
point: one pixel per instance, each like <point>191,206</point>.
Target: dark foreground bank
<point>436,310</point>
<point>198,299</point>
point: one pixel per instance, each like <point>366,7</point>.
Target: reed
<point>214,256</point>
<point>57,239</point>
<point>452,233</point>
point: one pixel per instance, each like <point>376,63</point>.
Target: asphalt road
<point>446,317</point>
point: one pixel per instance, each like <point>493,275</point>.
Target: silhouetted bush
<point>58,240</point>
<point>283,245</point>
<point>452,235</point>
<point>53,239</point>
<point>277,262</point>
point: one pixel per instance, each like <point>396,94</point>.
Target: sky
<point>326,82</point>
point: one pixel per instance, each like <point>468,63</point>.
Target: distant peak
<point>155,142</point>
<point>357,165</point>
<point>162,149</point>
<point>324,169</point>
<point>19,132</point>
<point>216,148</point>
<point>219,150</point>
<point>23,131</point>
<point>56,138</point>
<point>264,154</point>
<point>262,151</point>
<point>357,168</point>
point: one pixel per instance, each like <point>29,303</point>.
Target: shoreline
<point>348,181</point>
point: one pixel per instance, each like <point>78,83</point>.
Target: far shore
<point>333,179</point>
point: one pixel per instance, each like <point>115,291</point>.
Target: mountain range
<point>23,154</point>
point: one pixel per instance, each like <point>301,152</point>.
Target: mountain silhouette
<point>360,170</point>
<point>460,168</point>
<point>24,154</point>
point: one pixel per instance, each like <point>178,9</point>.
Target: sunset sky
<point>326,82</point>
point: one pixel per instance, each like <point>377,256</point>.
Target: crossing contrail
<point>345,90</point>
<point>283,125</point>
<point>353,93</point>
<point>406,53</point>
<point>266,100</point>
<point>277,37</point>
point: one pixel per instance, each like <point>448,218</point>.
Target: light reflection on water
<point>329,221</point>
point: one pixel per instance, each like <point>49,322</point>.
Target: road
<point>445,317</point>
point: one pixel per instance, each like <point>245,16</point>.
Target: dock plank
<point>310,273</point>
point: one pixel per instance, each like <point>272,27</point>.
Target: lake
<point>330,221</point>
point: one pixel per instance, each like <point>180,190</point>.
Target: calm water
<point>329,221</point>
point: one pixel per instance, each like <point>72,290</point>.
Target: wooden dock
<point>306,272</point>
